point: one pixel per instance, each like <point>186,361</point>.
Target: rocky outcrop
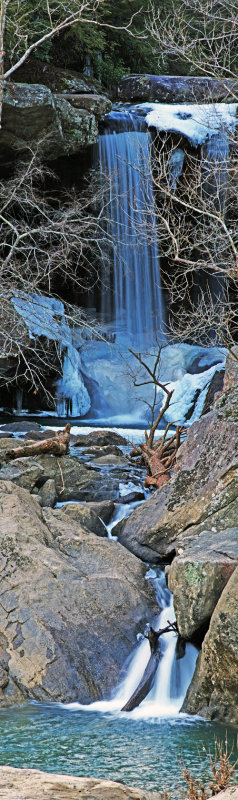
<point>71,604</point>
<point>56,123</point>
<point>198,576</point>
<point>213,692</point>
<point>30,784</point>
<point>174,89</point>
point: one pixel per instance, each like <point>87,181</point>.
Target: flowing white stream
<point>172,677</point>
<point>131,293</point>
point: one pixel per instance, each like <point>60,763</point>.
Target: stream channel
<point>147,747</point>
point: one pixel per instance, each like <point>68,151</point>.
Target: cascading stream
<point>131,296</point>
<point>172,677</point>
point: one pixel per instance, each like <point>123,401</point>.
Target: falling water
<point>172,677</point>
<point>131,296</point>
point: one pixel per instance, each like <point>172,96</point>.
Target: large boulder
<point>57,124</point>
<point>92,516</point>
<point>71,604</point>
<point>198,576</point>
<point>174,89</point>
<point>203,492</point>
<point>213,692</point>
<point>31,784</point>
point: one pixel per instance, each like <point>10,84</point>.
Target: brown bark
<point>159,458</point>
<point>57,446</point>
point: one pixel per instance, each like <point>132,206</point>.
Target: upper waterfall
<point>131,292</point>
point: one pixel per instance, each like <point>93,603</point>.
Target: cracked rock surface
<point>71,604</point>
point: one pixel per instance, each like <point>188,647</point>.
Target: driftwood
<point>147,679</point>
<point>159,457</point>
<point>57,446</point>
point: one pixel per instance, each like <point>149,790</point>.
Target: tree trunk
<point>147,679</point>
<point>57,446</point>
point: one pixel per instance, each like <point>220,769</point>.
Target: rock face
<point>30,784</point>
<point>203,493</point>
<point>173,89</point>
<point>213,692</point>
<point>198,577</point>
<point>58,124</point>
<point>71,604</point>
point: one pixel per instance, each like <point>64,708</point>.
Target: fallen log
<point>144,686</point>
<point>148,676</point>
<point>57,446</point>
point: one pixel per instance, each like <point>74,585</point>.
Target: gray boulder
<point>89,515</point>
<point>71,604</point>
<point>174,89</point>
<point>198,576</point>
<point>56,123</point>
<point>213,692</point>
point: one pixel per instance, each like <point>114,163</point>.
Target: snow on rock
<point>197,122</point>
<point>45,316</point>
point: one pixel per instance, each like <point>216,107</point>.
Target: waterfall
<point>172,677</point>
<point>131,297</point>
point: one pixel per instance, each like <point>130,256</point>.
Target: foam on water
<point>172,677</point>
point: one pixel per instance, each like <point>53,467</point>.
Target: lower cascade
<point>172,676</point>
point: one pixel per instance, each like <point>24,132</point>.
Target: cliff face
<point>55,123</point>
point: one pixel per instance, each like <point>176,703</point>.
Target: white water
<point>172,677</point>
<point>131,295</point>
<point>98,379</point>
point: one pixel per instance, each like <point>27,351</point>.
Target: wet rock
<point>71,603</point>
<point>198,576</point>
<point>98,451</point>
<point>216,386</point>
<point>21,427</point>
<point>213,692</point>
<point>100,439</point>
<point>37,436</point>
<point>27,784</point>
<point>73,480</point>
<point>174,89</point>
<point>5,435</point>
<point>110,460</point>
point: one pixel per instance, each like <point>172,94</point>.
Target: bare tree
<point>158,455</point>
<point>29,25</point>
<point>197,212</point>
<point>51,238</point>
<point>201,34</point>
